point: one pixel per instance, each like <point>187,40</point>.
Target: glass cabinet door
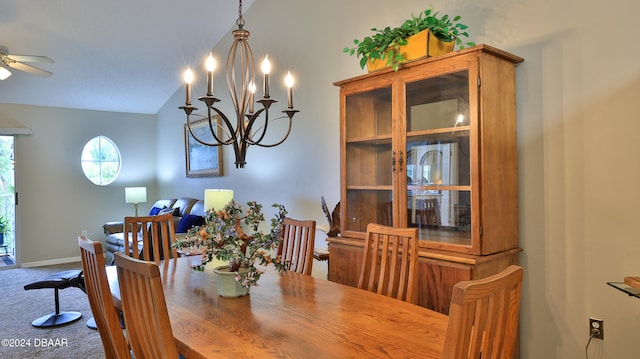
<point>438,158</point>
<point>368,151</point>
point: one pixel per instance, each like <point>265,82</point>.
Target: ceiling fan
<point>16,62</point>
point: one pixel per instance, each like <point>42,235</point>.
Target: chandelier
<point>240,73</point>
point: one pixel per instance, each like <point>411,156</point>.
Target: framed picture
<point>202,160</point>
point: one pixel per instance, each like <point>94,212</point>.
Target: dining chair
<point>144,308</point>
<point>389,262</point>
<point>296,246</point>
<point>150,237</point>
<point>483,318</point>
<point>100,299</point>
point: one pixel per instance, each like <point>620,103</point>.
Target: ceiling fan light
<point>4,73</point>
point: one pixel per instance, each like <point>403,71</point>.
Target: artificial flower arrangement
<point>221,237</point>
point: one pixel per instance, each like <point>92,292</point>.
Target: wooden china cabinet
<point>432,146</point>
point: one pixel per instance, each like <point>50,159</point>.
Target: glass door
<point>369,159</point>
<point>7,203</point>
<point>438,158</point>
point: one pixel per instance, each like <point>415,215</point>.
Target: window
<point>101,160</point>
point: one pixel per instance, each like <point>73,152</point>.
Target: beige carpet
<point>19,307</point>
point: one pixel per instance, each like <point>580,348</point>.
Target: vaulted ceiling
<point>116,55</point>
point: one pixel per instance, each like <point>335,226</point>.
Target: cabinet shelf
<point>371,140</point>
<point>370,188</point>
<point>448,132</point>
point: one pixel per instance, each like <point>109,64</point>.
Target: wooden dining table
<point>290,315</point>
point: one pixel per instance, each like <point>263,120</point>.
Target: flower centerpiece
<point>222,237</point>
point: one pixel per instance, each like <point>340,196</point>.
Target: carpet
<point>19,307</point>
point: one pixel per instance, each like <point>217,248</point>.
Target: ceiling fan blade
<point>29,58</point>
<point>30,69</point>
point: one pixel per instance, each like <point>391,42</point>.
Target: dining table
<point>290,315</point>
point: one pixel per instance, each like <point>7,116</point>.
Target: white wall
<point>577,137</point>
<point>56,201</point>
<point>577,133</point>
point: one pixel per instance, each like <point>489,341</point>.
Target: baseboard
<point>51,262</point>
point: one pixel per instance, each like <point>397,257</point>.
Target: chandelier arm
<point>196,137</point>
<point>266,104</point>
<point>232,135</point>
<point>254,142</point>
<point>240,154</point>
<point>246,136</point>
<point>283,138</point>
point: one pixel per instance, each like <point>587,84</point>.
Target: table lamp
<point>135,195</point>
<point>217,198</point>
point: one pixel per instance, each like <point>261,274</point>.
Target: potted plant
<point>4,228</point>
<point>222,237</point>
<point>386,45</point>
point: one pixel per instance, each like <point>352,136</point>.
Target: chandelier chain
<point>240,21</point>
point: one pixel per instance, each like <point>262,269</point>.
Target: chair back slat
<point>483,318</point>
<point>150,238</point>
<point>100,299</point>
<point>144,308</point>
<point>296,245</point>
<point>389,260</point>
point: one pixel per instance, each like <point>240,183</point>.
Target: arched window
<point>101,160</point>
<point>432,167</point>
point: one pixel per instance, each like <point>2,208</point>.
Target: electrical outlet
<point>596,328</point>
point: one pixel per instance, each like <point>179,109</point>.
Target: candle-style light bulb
<point>266,68</point>
<point>211,66</point>
<point>252,91</point>
<point>188,78</point>
<point>288,80</point>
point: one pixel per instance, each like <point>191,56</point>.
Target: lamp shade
<point>4,73</point>
<point>135,194</point>
<point>217,198</point>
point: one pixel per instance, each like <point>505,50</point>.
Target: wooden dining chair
<point>150,237</point>
<point>483,318</point>
<point>144,308</point>
<point>389,262</point>
<point>100,299</point>
<point>296,246</point>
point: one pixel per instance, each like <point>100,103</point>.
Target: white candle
<point>266,68</point>
<point>211,66</point>
<point>288,80</point>
<point>188,78</point>
<point>252,90</point>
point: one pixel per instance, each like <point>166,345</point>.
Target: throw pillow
<point>174,211</point>
<point>154,211</point>
<point>188,221</point>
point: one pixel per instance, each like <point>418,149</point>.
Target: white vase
<point>226,283</point>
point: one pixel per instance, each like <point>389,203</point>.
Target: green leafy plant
<point>222,237</point>
<point>4,225</point>
<point>385,43</point>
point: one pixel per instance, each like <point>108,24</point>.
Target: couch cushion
<point>184,204</point>
<point>187,221</point>
<point>162,203</point>
<point>198,209</point>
